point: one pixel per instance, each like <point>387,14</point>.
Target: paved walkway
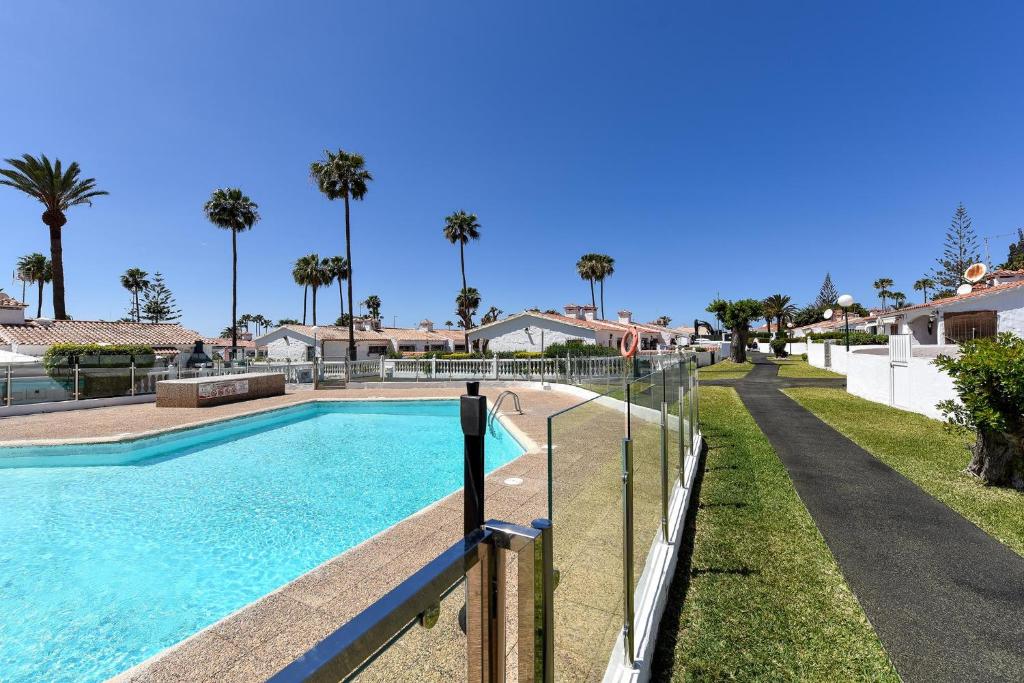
<point>946,599</point>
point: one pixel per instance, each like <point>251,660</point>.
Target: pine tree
<point>1015,260</point>
<point>159,305</point>
<point>827,295</point>
<point>959,251</point>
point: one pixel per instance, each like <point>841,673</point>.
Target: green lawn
<point>726,370</point>
<point>921,450</point>
<point>761,597</point>
<point>797,368</point>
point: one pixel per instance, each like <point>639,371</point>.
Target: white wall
<point>816,354</point>
<point>287,348</point>
<point>924,385</point>
<point>511,335</point>
<point>795,349</point>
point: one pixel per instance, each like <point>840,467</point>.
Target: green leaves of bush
<point>97,355</point>
<point>989,379</point>
<point>857,337</point>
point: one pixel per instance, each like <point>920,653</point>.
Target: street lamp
<point>845,301</point>
<point>789,326</point>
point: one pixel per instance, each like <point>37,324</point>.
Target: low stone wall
<point>199,392</point>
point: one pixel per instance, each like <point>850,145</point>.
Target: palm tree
<point>605,268</point>
<point>342,175</point>
<point>899,299</point>
<point>588,267</point>
<point>337,267</point>
<point>778,306</point>
<point>372,304</point>
<point>448,324</point>
<point>230,209</point>
<point>923,285</point>
<point>883,284</point>
<point>466,303</point>
<point>300,274</point>
<point>262,323</point>
<point>58,190</point>
<point>459,228</point>
<point>35,268</point>
<point>663,321</point>
<point>492,315</point>
<point>134,280</point>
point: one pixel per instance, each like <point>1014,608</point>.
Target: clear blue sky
<point>743,148</point>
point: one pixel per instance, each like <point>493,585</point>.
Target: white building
<point>33,337</point>
<point>296,342</point>
<point>534,330</point>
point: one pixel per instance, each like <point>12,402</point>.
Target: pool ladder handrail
<point>493,415</point>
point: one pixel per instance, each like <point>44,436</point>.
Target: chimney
<point>589,312</point>
<point>367,324</point>
<point>626,317</point>
<point>245,336</point>
<point>426,326</point>
<point>572,310</point>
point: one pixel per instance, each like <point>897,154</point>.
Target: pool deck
<point>258,640</point>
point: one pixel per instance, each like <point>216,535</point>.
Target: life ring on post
<point>631,350</point>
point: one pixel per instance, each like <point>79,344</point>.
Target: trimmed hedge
<point>857,338</point>
<point>60,360</point>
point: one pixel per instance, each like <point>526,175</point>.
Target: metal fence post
<point>664,459</point>
<point>473,417</point>
<point>627,551</point>
<point>8,400</point>
<point>133,377</point>
<point>544,585</point>
<point>76,382</point>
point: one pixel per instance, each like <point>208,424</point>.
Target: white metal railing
<point>899,349</point>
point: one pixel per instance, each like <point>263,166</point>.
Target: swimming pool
<point>110,553</point>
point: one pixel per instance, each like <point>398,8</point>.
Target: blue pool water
<point>111,553</point>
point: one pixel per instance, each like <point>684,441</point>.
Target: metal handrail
<point>493,415</point>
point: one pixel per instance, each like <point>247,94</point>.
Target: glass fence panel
<point>36,384</point>
<point>645,394</point>
<point>585,450</point>
<point>101,382</point>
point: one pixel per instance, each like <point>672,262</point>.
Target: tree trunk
<point>348,256</point>
<point>305,298</point>
<point>314,305</point>
<point>466,322</point>
<point>57,262</point>
<point>39,308</point>
<point>593,301</point>
<point>602,299</point>
<point>341,298</point>
<point>738,347</point>
<point>234,291</point>
<point>998,459</point>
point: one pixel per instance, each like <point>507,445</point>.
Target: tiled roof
<point>98,332</point>
<point>333,333</point>
<point>602,325</point>
<point>10,302</point>
<point>224,341</point>
<point>977,293</point>
<point>407,334</point>
<point>455,334</point>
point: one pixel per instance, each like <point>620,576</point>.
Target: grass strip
<point>758,595</point>
<point>795,368</point>
<point>726,370</point>
<point>920,449</point>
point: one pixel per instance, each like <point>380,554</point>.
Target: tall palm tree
<point>300,274</point>
<point>923,285</point>
<point>343,175</point>
<point>36,268</point>
<point>58,190</point>
<point>605,268</point>
<point>899,299</point>
<point>459,228</point>
<point>134,280</point>
<point>883,284</point>
<point>230,209</point>
<point>466,303</point>
<point>323,276</point>
<point>338,268</point>
<point>448,324</point>
<point>778,306</point>
<point>588,267</point>
<point>372,304</point>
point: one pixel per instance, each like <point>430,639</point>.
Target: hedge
<point>60,359</point>
<point>857,338</point>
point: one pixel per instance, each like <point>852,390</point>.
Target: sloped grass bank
<point>758,595</point>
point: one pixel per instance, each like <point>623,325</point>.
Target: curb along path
<point>946,599</point>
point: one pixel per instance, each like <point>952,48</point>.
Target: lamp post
<point>845,301</point>
<point>789,326</point>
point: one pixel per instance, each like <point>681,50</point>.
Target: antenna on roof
<point>965,288</point>
<point>975,272</point>
<point>827,315</point>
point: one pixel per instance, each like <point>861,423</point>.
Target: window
<point>960,327</point>
<point>406,347</point>
<point>309,353</point>
<point>574,340</point>
<point>377,350</point>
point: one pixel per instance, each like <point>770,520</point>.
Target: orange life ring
<point>631,351</point>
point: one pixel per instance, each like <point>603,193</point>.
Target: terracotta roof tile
<point>334,333</point>
<point>979,292</point>
<point>10,302</point>
<point>98,332</point>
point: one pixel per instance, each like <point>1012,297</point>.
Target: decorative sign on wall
<point>219,389</point>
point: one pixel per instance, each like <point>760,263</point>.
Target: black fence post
<point>473,409</point>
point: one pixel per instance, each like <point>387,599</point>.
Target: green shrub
<point>779,348</point>
<point>988,376</point>
<point>857,337</point>
<point>803,356</point>
<point>60,359</point>
<point>581,349</point>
